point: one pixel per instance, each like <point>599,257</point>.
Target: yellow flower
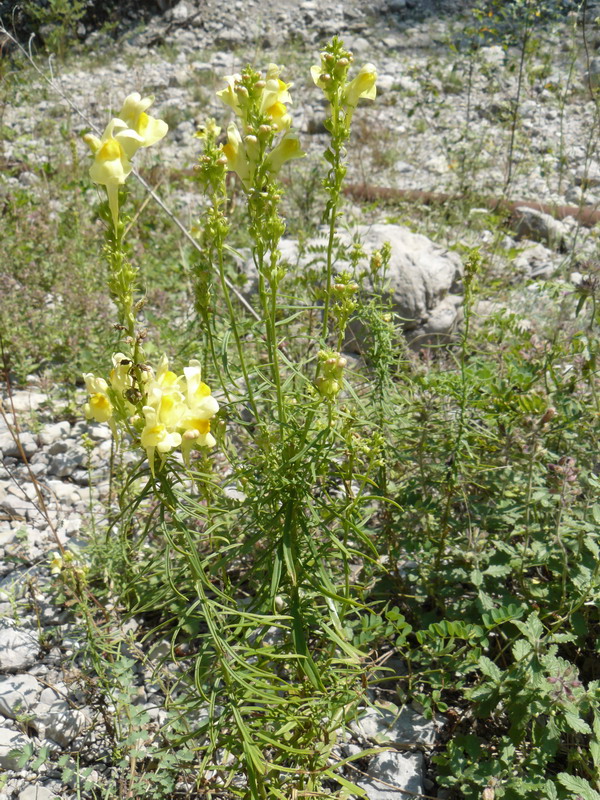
<point>202,407</point>
<point>165,377</point>
<point>197,434</point>
<point>274,97</point>
<point>55,563</point>
<point>98,406</point>
<point>149,129</point>
<point>363,85</point>
<point>156,436</point>
<point>285,150</point>
<point>229,95</point>
<point>199,399</point>
<point>120,378</point>
<point>111,163</point>
<point>237,158</point>
<point>317,73</point>
<point>210,130</point>
<point>165,396</point>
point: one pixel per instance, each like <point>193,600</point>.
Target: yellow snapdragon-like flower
<point>237,157</point>
<point>165,396</point>
<point>285,150</point>
<point>210,129</point>
<point>199,399</point>
<point>202,408</point>
<point>362,86</point>
<point>149,129</point>
<point>228,95</point>
<point>274,97</point>
<point>111,160</point>
<point>122,138</point>
<point>55,563</point>
<point>156,436</point>
<point>120,374</point>
<point>176,412</point>
<point>98,406</point>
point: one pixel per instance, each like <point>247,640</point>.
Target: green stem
<point>334,185</point>
<point>236,335</point>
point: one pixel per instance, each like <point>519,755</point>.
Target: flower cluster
<point>261,107</point>
<point>331,76</point>
<point>122,138</point>
<point>163,410</point>
<point>332,366</point>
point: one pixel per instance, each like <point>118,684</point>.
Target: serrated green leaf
<point>576,723</point>
<point>595,752</point>
<point>521,649</point>
<point>490,669</point>
<point>476,577</point>
<point>578,786</point>
<point>532,628</point>
<point>551,793</point>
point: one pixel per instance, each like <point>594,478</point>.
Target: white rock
<point>441,324</point>
<point>401,770</point>
<point>36,792</point>
<point>59,721</point>
<point>11,740</point>
<point>18,694</point>
<point>10,448</point>
<point>26,401</point>
<point>420,274</point>
<point>53,432</point>
<point>17,507</point>
<point>18,649</point>
<point>493,56</point>
<point>535,262</point>
<point>64,464</point>
<point>384,726</point>
<point>540,227</point>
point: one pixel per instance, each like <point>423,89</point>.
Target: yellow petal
<point>363,85</point>
<point>151,129</point>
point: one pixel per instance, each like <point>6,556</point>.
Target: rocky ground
<point>440,123</point>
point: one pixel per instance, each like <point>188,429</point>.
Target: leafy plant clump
<point>290,520</point>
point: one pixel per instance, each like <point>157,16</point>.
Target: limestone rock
<point>18,649</point>
<point>18,694</point>
<point>386,726</point>
<point>539,227</point>
<point>11,740</point>
<point>24,401</point>
<point>53,432</point>
<point>59,721</point>
<point>536,261</point>
<point>421,275</point>
<point>401,770</point>
<point>35,791</point>
<point>10,448</point>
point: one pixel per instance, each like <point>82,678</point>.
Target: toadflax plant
<point>262,574</point>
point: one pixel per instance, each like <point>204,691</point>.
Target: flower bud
<point>549,414</point>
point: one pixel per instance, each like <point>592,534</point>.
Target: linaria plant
<point>259,493</point>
